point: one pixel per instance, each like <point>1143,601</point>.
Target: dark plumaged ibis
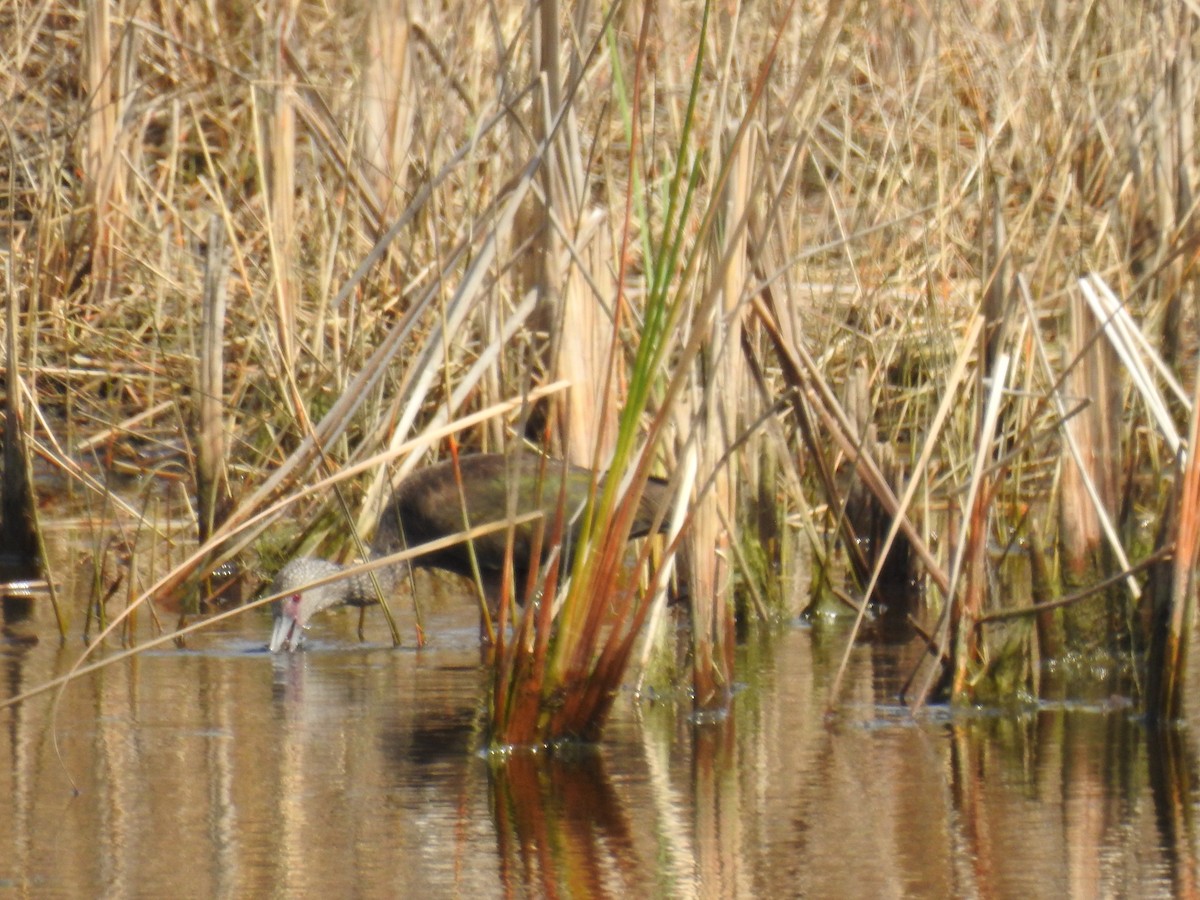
<point>429,505</point>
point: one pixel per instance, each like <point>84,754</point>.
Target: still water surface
<point>349,770</point>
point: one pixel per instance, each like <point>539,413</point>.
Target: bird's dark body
<point>429,505</point>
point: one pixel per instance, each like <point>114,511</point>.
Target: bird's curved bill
<point>287,634</point>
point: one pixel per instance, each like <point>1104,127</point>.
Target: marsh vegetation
<point>906,296</point>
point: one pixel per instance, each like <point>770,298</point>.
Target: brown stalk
<point>1173,626</point>
<point>211,486</point>
<point>105,189</point>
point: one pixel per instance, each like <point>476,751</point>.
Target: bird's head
<point>300,602</point>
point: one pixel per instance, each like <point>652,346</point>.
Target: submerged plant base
<point>1092,675</point>
<point>564,750</point>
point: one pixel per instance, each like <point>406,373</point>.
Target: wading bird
<point>429,505</point>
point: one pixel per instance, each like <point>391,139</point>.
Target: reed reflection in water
<point>352,769</point>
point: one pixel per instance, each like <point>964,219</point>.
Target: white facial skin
<point>289,626</point>
<point>300,602</point>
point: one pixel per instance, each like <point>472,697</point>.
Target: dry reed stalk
<point>105,191</point>
<point>586,350</point>
<point>277,165</point>
<point>708,348</point>
<point>1064,415</point>
<point>718,415</point>
<point>1044,592</point>
<point>1094,435</point>
<point>972,559</point>
<point>1137,355</point>
<point>388,99</point>
<point>657,588</point>
<point>966,608</point>
<point>212,487</point>
<point>573,250</point>
<point>1170,167</point>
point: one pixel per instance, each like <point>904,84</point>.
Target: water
<point>350,770</point>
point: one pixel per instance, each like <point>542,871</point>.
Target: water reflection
<point>1172,760</point>
<point>562,829</point>
<point>352,769</point>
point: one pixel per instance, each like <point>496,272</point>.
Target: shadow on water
<point>353,769</point>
